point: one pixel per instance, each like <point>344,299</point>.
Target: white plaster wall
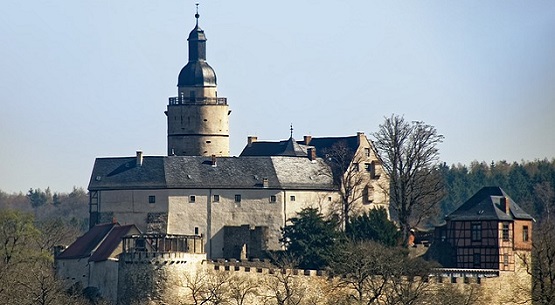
<point>71,271</point>
<point>104,276</point>
<point>132,206</point>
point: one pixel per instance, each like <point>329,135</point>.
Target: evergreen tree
<point>311,239</point>
<point>374,226</point>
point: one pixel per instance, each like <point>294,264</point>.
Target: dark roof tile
<point>85,245</point>
<point>486,205</point>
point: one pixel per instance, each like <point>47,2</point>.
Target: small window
<point>505,231</point>
<point>329,198</point>
<point>476,232</point>
<point>196,230</point>
<point>371,168</point>
<point>216,198</point>
<point>192,199</point>
<point>151,199</point>
<point>355,167</point>
<point>292,198</point>
<point>273,198</point>
<point>505,259</point>
<point>237,198</point>
<point>367,152</point>
<point>476,260</point>
<point>525,236</point>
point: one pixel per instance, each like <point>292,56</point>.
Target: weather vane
<point>197,14</point>
<point>291,129</point>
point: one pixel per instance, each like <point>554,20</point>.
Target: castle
<point>155,219</point>
<point>198,189</point>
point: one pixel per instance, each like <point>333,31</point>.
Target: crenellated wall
<point>171,278</point>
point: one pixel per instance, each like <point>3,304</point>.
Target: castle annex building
<point>237,204</point>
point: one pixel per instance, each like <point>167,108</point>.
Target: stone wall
<point>179,280</point>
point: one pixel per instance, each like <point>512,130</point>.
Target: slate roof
<point>486,205</point>
<point>283,148</point>
<point>185,172</point>
<point>98,243</point>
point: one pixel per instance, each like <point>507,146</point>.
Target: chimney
<point>311,153</point>
<point>139,158</point>
<point>505,206</point>
<point>307,140</point>
<point>213,160</point>
<point>265,182</point>
<point>251,139</point>
<point>360,136</point>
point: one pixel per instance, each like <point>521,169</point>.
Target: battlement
<point>439,275</point>
<point>158,258</point>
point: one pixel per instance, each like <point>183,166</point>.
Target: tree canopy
<point>311,239</point>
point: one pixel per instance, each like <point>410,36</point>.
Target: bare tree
<point>449,294</point>
<point>542,265</point>
<point>364,270</point>
<point>410,158</point>
<point>372,273</point>
<point>196,283</point>
<point>241,289</point>
<point>283,287</point>
<point>348,177</point>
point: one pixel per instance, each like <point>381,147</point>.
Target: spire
<point>291,129</point>
<point>197,72</point>
<point>197,15</point>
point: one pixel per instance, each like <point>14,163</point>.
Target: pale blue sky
<point>84,79</point>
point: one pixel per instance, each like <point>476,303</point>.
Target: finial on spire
<point>291,129</point>
<point>197,14</point>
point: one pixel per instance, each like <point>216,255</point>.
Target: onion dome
<point>197,72</point>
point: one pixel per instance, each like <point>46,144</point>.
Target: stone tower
<point>198,122</point>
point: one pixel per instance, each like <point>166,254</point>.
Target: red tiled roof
<point>85,245</point>
<point>110,243</point>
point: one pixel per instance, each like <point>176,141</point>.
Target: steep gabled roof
<point>98,243</point>
<point>111,242</point>
<point>85,245</point>
<point>291,147</point>
<point>324,145</point>
<point>188,172</point>
<point>487,204</point>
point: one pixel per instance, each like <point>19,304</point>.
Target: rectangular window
<point>371,168</point>
<point>505,231</point>
<point>292,198</point>
<point>525,236</point>
<point>505,259</point>
<point>476,260</point>
<point>196,230</point>
<point>237,198</point>
<point>151,199</point>
<point>273,198</point>
<point>329,198</point>
<point>367,152</point>
<point>192,199</point>
<point>476,232</point>
<point>216,198</point>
